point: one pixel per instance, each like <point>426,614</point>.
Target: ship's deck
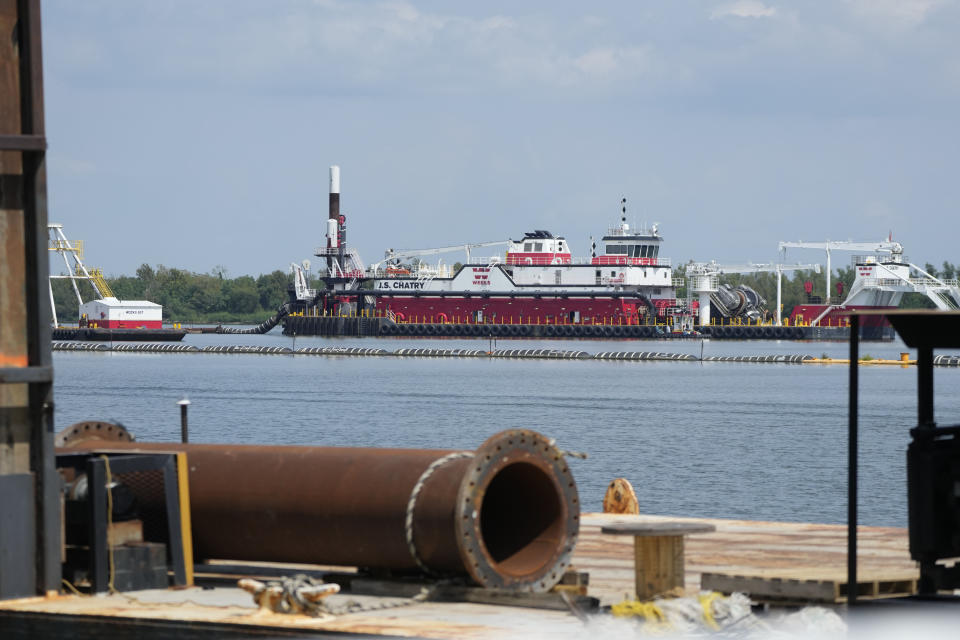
<point>799,550</point>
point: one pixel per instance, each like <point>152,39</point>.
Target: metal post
<point>852,463</point>
<point>925,387</point>
<point>779,303</point>
<point>184,438</point>
<point>827,297</point>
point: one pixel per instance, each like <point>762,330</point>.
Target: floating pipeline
<point>117,335</point>
<point>642,355</point>
<point>534,354</point>
<point>426,352</point>
<point>505,515</point>
<point>789,359</point>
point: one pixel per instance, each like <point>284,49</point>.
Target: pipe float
<point>507,514</point>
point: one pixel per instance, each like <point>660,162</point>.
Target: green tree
<point>272,289</point>
<point>206,293</point>
<point>242,295</point>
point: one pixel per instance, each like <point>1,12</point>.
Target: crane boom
<point>888,246</point>
<point>704,274</point>
<point>390,254</point>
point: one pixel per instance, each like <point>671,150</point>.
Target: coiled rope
<point>412,503</point>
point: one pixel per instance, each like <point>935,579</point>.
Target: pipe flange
<point>92,430</point>
<point>516,473</point>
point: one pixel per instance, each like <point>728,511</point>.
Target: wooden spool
<point>620,498</point>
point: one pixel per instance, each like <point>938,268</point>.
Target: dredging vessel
<point>538,288</point>
<point>538,281</point>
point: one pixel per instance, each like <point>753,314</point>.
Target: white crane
<point>887,246</point>
<point>390,254</point>
<point>58,242</point>
<point>303,292</point>
<point>704,281</point>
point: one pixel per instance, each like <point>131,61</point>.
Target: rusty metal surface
<point>26,374</point>
<point>508,515</point>
<point>93,430</point>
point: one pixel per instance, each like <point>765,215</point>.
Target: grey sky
<point>195,134</point>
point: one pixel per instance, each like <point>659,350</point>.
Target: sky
<point>198,135</point>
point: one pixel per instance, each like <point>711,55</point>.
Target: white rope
<point>412,502</point>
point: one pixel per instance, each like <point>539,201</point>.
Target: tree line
<point>187,296</point>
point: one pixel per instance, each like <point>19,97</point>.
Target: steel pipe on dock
<point>506,514</point>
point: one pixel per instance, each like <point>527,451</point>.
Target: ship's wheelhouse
<point>638,247</point>
<point>538,247</point>
<point>630,249</point>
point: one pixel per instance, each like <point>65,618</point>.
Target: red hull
<point>807,313</point>
<point>126,324</point>
<point>515,310</point>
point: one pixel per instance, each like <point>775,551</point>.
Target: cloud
<point>743,9</point>
<point>670,53</point>
<point>71,165</point>
<point>895,13</point>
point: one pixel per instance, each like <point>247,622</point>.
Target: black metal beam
<point>16,375</point>
<point>22,143</point>
<point>852,462</point>
<point>925,416</point>
<point>37,303</point>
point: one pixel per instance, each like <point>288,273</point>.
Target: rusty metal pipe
<point>506,514</point>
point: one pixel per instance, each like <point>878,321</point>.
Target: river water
<point>709,439</point>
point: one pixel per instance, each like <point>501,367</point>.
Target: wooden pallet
<point>832,589</point>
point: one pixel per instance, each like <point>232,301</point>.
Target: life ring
<point>442,318</point>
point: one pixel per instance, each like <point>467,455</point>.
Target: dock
<point>771,551</point>
<point>802,552</point>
